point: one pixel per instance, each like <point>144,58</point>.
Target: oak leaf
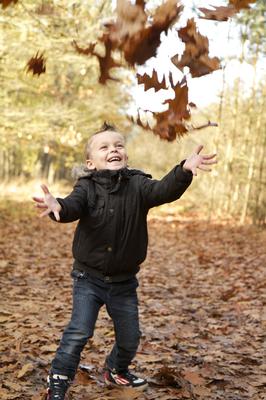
<point>196,54</point>
<point>143,45</point>
<point>131,19</point>
<point>240,4</point>
<point>87,51</point>
<point>166,14</point>
<point>106,62</point>
<point>151,81</point>
<point>141,3</point>
<point>37,64</point>
<point>6,3</point>
<point>218,13</point>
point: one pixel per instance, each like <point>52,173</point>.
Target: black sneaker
<point>57,386</point>
<point>124,380</point>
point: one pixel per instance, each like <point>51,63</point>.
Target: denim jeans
<point>89,295</point>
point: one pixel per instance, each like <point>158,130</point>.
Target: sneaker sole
<point>114,385</point>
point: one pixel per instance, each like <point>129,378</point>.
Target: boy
<point>110,242</point>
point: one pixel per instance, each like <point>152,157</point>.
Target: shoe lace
<point>129,376</point>
<point>59,387</point>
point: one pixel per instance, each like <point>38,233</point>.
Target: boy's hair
<point>104,127</point>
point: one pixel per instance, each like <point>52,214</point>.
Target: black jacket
<point>110,240</point>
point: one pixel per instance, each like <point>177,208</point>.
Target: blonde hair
<point>105,127</point>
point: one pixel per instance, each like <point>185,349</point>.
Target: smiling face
<point>107,151</point>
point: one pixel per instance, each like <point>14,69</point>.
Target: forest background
<point>46,119</point>
<point>202,291</point>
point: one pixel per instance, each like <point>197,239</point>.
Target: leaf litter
<point>201,309</point>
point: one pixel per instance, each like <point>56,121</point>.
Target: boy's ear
<point>90,164</point>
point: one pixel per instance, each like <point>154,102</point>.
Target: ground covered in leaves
<point>201,302</point>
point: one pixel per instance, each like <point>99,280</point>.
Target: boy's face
<point>107,151</point>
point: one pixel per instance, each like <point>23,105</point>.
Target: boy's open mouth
<point>114,158</point>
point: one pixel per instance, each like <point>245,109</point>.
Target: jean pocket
<point>76,275</point>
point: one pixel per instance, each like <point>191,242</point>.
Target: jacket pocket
<point>96,213</point>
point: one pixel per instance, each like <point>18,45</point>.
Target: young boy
<point>111,203</point>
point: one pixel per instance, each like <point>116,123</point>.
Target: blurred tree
<point>47,119</point>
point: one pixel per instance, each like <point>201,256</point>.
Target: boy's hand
<point>199,161</point>
<point>48,202</point>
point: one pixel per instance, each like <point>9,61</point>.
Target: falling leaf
<point>25,370</point>
<point>196,54</point>
<point>178,106</point>
<point>140,47</point>
<point>218,13</point>
<point>106,62</point>
<point>141,3</point>
<point>131,19</point>
<point>137,120</point>
<point>87,51</point>
<point>239,4</point>
<point>37,64</point>
<point>151,81</point>
<point>166,14</point>
<point>6,3</point>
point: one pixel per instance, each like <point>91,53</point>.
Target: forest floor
<point>201,308</point>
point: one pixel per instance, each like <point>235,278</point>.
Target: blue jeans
<point>89,295</point>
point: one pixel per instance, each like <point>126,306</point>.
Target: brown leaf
<point>166,14</point>
<point>37,64</point>
<point>106,62</point>
<point>151,81</point>
<point>143,45</point>
<point>25,370</point>
<point>87,51</point>
<point>131,19</point>
<point>131,34</point>
<point>139,48</point>
<point>240,4</point>
<point>178,106</point>
<point>137,120</point>
<point>170,123</point>
<point>13,386</point>
<point>6,3</point>
<point>169,376</point>
<point>141,3</point>
<point>218,13</point>
<point>194,377</point>
<point>125,394</point>
<point>49,348</point>
<point>196,54</point>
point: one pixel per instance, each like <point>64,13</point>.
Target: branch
<point>196,128</point>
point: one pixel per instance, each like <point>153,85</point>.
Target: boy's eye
<point>119,145</point>
<point>103,147</point>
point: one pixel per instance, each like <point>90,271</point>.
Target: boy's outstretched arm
<point>49,203</point>
<point>174,184</point>
<point>195,160</point>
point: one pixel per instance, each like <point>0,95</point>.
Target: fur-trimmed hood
<point>81,171</point>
